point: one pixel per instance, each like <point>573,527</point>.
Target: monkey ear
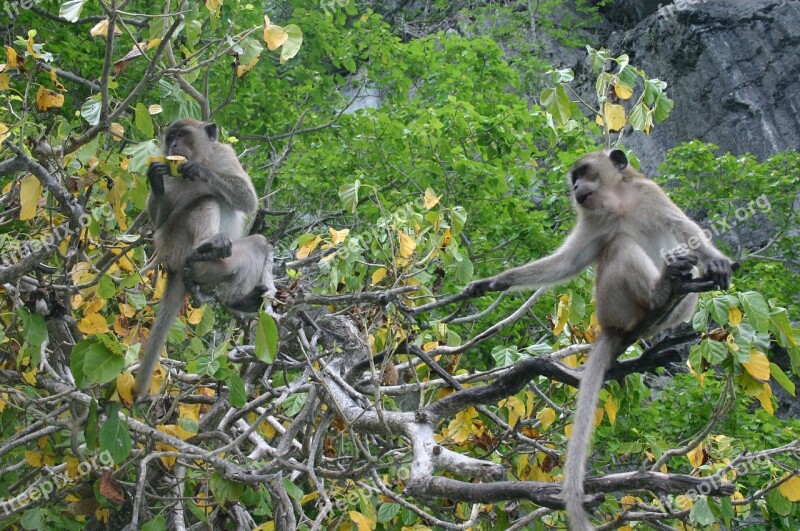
<point>619,159</point>
<point>211,131</point>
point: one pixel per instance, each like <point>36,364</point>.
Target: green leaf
<point>91,430</point>
<point>293,490</point>
<point>156,524</point>
<point>777,503</point>
<point>266,347</point>
<point>106,287</point>
<point>293,43</point>
<point>505,356</point>
<point>100,364</point>
<point>35,336</point>
<point>206,323</point>
<point>224,489</point>
<point>71,10</point>
<point>701,513</point>
<point>348,193</point>
<point>143,120</point>
<point>756,309</point>
<point>639,118</point>
<point>780,377</point>
<point>387,511</point>
<point>90,110</point>
<point>458,218</point>
<point>662,108</point>
<point>237,395</point>
<point>294,404</point>
<point>713,351</point>
<point>114,436</point>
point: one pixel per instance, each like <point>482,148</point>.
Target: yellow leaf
<point>307,248</point>
<point>623,92</point>
<point>309,497</point>
<point>516,409</point>
<point>734,316</point>
<point>93,323</point>
<point>213,5</point>
<point>431,199</point>
<point>430,345</point>
<point>546,416</point>
<point>11,57</point>
<point>766,399</point>
<point>562,314</point>
<point>568,430</point>
<point>758,365</point>
<point>195,315</point>
<point>30,191</point>
<point>407,245</point>
<point>338,236</point>
<point>125,383</point>
<point>46,99</point>
<point>627,502</point>
<point>243,69</point>
<point>4,84</point>
<point>615,114</point>
<point>363,522</point>
<point>94,306</point>
<point>266,526</point>
<point>791,489</point>
<point>274,35</point>
<point>34,458</point>
<point>117,131</point>
<point>101,29</point>
<point>29,377</point>
<point>570,361</point>
<point>598,416</point>
<point>460,428</point>
<point>3,401</point>
<point>103,514</point>
<point>611,409</point>
<point>378,275</point>
<point>72,466</point>
<point>696,456</point>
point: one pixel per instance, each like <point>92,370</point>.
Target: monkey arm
<point>577,252</point>
<point>158,205</point>
<point>718,268</point>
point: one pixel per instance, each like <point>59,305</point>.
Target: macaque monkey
<point>645,250</point>
<point>199,222</point>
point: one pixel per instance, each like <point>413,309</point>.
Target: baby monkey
<point>199,223</point>
<point>646,251</point>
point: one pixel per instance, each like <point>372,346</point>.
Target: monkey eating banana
<point>199,219</point>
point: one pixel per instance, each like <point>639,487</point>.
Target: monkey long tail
<point>607,348</point>
<point>168,310</point>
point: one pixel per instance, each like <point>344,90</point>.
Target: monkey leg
<point>219,246</point>
<point>237,277</point>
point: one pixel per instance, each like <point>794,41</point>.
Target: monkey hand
<point>155,176</point>
<point>720,271</point>
<point>485,285</point>
<point>193,171</point>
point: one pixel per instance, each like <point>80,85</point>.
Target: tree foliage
<point>367,393</point>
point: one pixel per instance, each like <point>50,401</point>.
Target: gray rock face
<point>733,68</point>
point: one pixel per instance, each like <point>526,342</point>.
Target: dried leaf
<point>30,193</point>
<point>48,99</point>
<point>431,199</point>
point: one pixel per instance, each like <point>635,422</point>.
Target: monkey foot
<point>251,302</point>
<point>219,246</point>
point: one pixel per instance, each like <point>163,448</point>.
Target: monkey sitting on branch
<point>198,219</point>
<point>646,251</point>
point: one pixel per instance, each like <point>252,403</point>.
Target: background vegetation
<point>397,159</point>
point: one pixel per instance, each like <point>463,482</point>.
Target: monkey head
<point>596,181</point>
<point>189,138</point>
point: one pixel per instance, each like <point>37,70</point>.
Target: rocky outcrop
<point>733,68</point>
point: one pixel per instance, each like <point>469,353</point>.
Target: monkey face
<point>595,178</point>
<point>189,138</point>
